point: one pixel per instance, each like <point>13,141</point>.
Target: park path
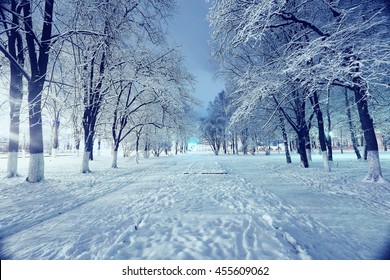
<point>186,207</point>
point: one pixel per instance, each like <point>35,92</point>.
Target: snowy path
<point>186,207</point>
<point>353,214</point>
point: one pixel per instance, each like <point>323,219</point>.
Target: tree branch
<point>290,16</point>
<point>14,62</point>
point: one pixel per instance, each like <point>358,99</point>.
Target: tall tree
<point>322,43</point>
<point>215,125</point>
<point>285,137</point>
<point>113,25</point>
<point>38,53</point>
<point>321,129</point>
<point>10,16</point>
<point>351,125</point>
<point>38,43</point>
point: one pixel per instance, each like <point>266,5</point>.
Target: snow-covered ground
<point>196,206</point>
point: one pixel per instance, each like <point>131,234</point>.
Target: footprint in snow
<point>268,220</point>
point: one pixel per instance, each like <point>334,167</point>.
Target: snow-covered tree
<point>38,42</point>
<point>156,82</point>
<point>129,103</point>
<point>58,99</point>
<point>214,127</point>
<point>103,30</point>
<point>10,14</point>
<point>311,45</point>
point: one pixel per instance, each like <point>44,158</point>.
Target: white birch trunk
<point>12,168</point>
<point>77,152</point>
<point>36,168</point>
<point>137,157</point>
<point>114,159</point>
<point>85,164</point>
<point>374,168</point>
<point>325,160</point>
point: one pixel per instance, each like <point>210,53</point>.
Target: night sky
<point>190,30</point>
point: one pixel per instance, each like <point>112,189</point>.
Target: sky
<point>190,30</point>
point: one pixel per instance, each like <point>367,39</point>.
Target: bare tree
<point>313,44</point>
<point>38,43</point>
<point>214,127</point>
<point>10,14</point>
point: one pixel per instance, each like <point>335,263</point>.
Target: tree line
<point>105,67</point>
<point>301,63</point>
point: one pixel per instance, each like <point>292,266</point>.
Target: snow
<point>195,206</point>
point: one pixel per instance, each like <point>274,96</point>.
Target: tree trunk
<point>138,138</point>
<point>253,151</point>
<point>374,167</point>
<point>115,158</point>
<point>292,145</point>
<point>16,95</point>
<point>244,147</point>
<point>285,138</point>
<point>15,47</point>
<point>351,126</point>
<point>35,86</point>
<point>56,126</point>
<point>176,147</point>
<point>146,149</point>
<point>244,141</point>
<point>36,165</point>
<point>308,146</point>
<point>24,146</point>
<point>99,145</point>
<point>186,144</point>
<point>91,153</point>
<point>365,152</point>
<point>76,130</point>
<point>300,127</point>
<point>233,145</point>
<point>77,147</point>
<point>12,167</point>
<point>89,132</point>
<point>93,98</point>
<point>321,131</point>
<point>85,163</point>
<point>329,136</point>
<point>302,149</point>
<point>236,143</point>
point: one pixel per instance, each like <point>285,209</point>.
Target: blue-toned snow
<point>196,206</point>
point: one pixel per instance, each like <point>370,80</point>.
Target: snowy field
<point>196,206</point>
